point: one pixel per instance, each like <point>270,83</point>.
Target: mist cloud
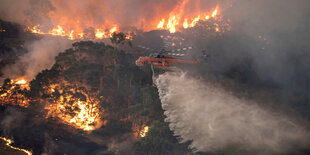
<point>215,120</point>
<point>41,55</point>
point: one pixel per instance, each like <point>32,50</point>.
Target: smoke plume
<point>213,119</point>
<point>81,14</point>
<point>41,55</point>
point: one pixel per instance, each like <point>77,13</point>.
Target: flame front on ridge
<point>178,18</point>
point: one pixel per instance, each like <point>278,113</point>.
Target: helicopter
<point>164,59</point>
<point>161,61</point>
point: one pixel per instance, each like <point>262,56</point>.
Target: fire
<point>22,82</point>
<point>58,31</point>
<point>128,37</point>
<point>195,20</point>
<point>10,93</point>
<point>9,142</point>
<point>72,27</point>
<point>185,23</point>
<point>214,13</point>
<point>144,131</point>
<point>100,34</point>
<point>36,29</point>
<point>112,30</point>
<point>71,34</point>
<point>161,24</point>
<point>83,114</point>
<point>172,23</point>
<point>177,16</point>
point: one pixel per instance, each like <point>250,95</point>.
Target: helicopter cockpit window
<point>138,60</point>
<point>153,55</point>
<point>160,56</point>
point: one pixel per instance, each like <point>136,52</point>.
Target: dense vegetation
<point>125,92</point>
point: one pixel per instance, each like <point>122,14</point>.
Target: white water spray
<point>216,120</point>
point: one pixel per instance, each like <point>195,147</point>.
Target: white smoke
<point>216,120</point>
<point>41,55</point>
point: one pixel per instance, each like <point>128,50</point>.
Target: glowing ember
<point>83,114</point>
<point>144,131</point>
<point>112,30</point>
<point>185,23</point>
<point>161,24</point>
<point>194,22</point>
<point>71,35</point>
<point>58,31</point>
<point>11,93</point>
<point>214,13</point>
<point>100,34</point>
<point>21,82</point>
<point>128,37</point>
<point>9,142</point>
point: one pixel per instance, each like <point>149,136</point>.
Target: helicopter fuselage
<point>162,61</point>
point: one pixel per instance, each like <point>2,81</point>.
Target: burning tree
<point>14,92</point>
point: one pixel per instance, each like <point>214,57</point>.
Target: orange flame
<point>82,114</point>
<point>161,24</point>
<point>195,20</point>
<point>72,34</point>
<point>172,20</point>
<point>100,34</point>
<point>11,95</point>
<point>144,131</point>
<point>9,142</point>
<point>177,15</point>
<point>172,23</point>
<point>214,13</point>
<point>22,81</point>
<point>185,23</point>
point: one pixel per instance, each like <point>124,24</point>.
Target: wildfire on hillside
<point>74,107</point>
<point>71,105</point>
<point>9,142</point>
<point>12,92</point>
<point>71,34</point>
<point>176,19</point>
<point>144,131</point>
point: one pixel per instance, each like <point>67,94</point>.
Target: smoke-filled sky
<point>267,47</point>
<point>81,14</point>
<point>283,24</point>
<point>41,55</point>
<point>268,37</point>
<point>266,57</point>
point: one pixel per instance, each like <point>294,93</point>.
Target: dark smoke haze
<point>41,55</point>
<point>267,50</point>
<point>274,37</point>
<point>262,61</point>
<point>134,13</point>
